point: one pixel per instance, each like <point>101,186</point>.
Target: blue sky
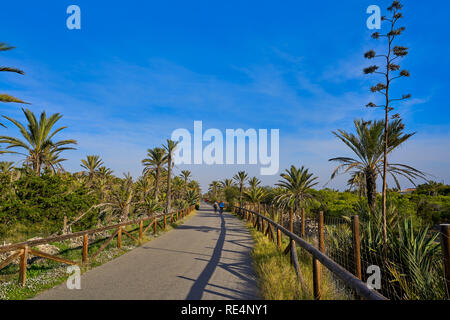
<point>138,70</point>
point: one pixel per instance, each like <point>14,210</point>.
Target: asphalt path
<point>205,258</point>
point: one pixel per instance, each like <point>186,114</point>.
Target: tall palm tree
<point>254,182</point>
<point>240,178</point>
<point>157,158</point>
<point>368,146</point>
<point>170,148</point>
<point>297,184</point>
<point>38,138</point>
<point>6,97</point>
<point>213,187</point>
<point>227,183</point>
<point>185,174</point>
<point>92,164</point>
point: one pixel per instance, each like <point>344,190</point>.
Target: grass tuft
<point>277,279</point>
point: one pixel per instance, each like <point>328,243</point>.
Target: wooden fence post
<point>316,263</point>
<point>154,227</point>
<point>356,246</point>
<point>85,248</point>
<point>291,220</point>
<point>279,238</point>
<point>445,243</point>
<point>321,239</point>
<point>141,226</point>
<point>119,238</point>
<point>23,266</point>
<point>303,223</point>
<point>165,223</point>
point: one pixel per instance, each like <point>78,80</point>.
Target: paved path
<point>207,257</point>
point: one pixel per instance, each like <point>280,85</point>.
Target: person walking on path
<point>221,206</point>
<point>215,206</point>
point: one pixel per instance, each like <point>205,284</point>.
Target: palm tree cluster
<point>293,191</point>
<point>118,199</point>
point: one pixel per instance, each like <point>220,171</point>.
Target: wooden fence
<point>274,231</point>
<point>23,250</point>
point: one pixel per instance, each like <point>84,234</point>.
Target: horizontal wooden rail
<point>349,279</point>
<point>16,246</point>
<point>25,248</point>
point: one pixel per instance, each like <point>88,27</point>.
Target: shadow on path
<point>200,284</point>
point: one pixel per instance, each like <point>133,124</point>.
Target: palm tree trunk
<point>371,182</point>
<point>36,166</point>
<point>240,195</point>
<point>157,184</point>
<point>169,173</point>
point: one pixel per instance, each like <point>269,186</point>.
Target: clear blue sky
<point>137,70</point>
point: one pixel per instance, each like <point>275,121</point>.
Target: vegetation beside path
<point>276,277</point>
<point>44,274</point>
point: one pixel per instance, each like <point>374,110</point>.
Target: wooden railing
<point>274,231</point>
<point>24,249</point>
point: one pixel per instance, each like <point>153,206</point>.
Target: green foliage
<point>40,203</point>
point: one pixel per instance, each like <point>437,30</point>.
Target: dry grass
<point>277,279</point>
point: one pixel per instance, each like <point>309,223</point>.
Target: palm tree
<point>358,182</point>
<point>144,185</point>
<point>92,164</point>
<point>52,161</point>
<point>213,187</point>
<point>6,97</point>
<point>121,199</point>
<point>157,157</point>
<point>240,178</point>
<point>150,206</point>
<point>192,197</point>
<point>254,182</point>
<point>255,195</point>
<point>296,183</point>
<point>368,147</point>
<point>185,174</point>
<point>6,167</point>
<point>38,138</point>
<point>170,148</point>
<point>104,172</point>
<point>227,183</point>
<point>177,187</point>
<point>194,185</point>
